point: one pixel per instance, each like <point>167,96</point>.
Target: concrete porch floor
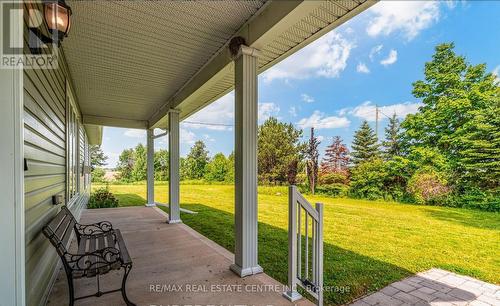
<point>172,265</point>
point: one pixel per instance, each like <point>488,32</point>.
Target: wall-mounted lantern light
<point>57,18</point>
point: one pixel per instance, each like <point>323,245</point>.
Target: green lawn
<point>367,245</point>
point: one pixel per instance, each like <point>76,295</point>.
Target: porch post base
<point>174,221</point>
<point>242,272</point>
<point>150,204</point>
<point>292,296</point>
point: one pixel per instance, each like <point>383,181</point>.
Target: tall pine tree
<point>364,145</point>
<point>312,156</point>
<point>336,157</point>
<point>392,143</point>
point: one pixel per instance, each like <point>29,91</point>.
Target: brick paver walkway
<point>435,287</point>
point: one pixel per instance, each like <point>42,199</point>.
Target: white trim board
<point>12,234</point>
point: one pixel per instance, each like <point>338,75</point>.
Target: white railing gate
<point>305,247</point>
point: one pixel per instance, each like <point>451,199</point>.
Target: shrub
<point>330,178</point>
<point>367,180</point>
<point>335,190</point>
<point>98,175</point>
<point>477,199</point>
<point>428,187</point>
<point>301,178</point>
<point>102,198</point>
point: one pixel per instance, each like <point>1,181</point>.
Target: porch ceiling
<point>131,61</point>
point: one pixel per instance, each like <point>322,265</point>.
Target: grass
<point>367,244</point>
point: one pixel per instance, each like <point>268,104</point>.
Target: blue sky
<point>334,83</point>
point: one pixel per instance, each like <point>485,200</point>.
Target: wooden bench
<point>100,250</point>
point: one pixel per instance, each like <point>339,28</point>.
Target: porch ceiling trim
<point>275,21</point>
<point>115,122</point>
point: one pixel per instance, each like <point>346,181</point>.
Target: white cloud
<point>187,136</point>
<point>112,160</point>
<point>292,111</point>
<point>219,112</point>
<point>318,120</point>
<point>134,133</point>
<point>320,138</point>
<point>307,98</point>
<point>375,51</point>
<point>326,57</point>
<point>390,59</point>
<point>366,110</point>
<point>362,68</point>
<point>208,138</point>
<point>496,73</point>
<point>267,110</point>
<point>407,17</point>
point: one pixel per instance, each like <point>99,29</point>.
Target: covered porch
<point>142,65</point>
<point>173,264</point>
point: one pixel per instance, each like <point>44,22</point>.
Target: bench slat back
<point>59,230</point>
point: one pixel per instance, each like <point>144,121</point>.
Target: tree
<point>367,179</point>
<point>161,165</point>
<point>312,156</point>
<point>139,170</point>
<point>365,145</point>
<point>218,169</point>
<point>392,143</point>
<point>97,157</point>
<point>197,160</point>
<point>98,175</point>
<point>230,174</point>
<point>480,142</point>
<point>279,151</point>
<point>336,157</point>
<point>126,163</point>
<point>458,99</point>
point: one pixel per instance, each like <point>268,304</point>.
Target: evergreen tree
<point>364,144</point>
<point>97,157</point>
<point>279,151</point>
<point>197,160</point>
<point>336,157</point>
<point>312,156</point>
<point>392,143</point>
<point>480,140</point>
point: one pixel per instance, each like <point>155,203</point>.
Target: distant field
<point>367,244</point>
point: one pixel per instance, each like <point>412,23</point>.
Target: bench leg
<point>124,284</point>
<point>71,289</point>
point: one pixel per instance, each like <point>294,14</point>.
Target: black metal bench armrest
<point>93,229</point>
<point>98,259</point>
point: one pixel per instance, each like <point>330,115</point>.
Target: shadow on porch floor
<point>189,268</point>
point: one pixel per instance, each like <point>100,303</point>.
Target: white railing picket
<point>314,285</point>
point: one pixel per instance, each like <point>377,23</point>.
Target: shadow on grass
<point>351,274</point>
<point>129,199</point>
<point>468,217</point>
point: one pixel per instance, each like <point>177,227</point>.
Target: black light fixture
<point>57,17</point>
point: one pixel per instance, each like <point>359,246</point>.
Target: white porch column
<point>245,216</point>
<point>12,239</point>
<point>151,168</point>
<point>174,215</point>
